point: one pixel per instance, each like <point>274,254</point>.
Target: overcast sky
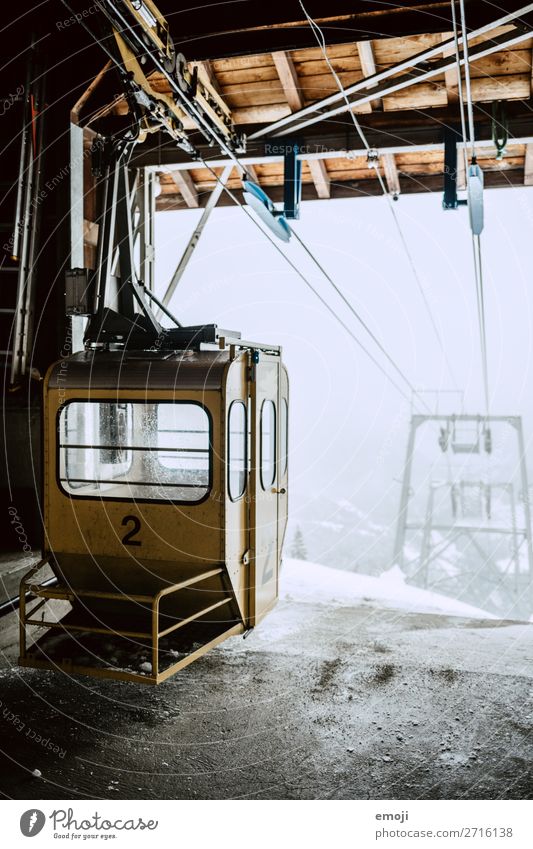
<point>348,424</point>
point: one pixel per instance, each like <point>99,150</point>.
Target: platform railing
<point>44,593</point>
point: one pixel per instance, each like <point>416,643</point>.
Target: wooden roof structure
<point>403,121</point>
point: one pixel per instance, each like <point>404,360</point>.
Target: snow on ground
<point>311,582</point>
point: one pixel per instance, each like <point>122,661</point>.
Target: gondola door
<point>264,507</point>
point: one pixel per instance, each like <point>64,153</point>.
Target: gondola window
<point>134,450</point>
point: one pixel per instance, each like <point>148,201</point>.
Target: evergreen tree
<point>298,549</point>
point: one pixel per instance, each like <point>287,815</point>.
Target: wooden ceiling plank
<point>421,96</point>
<point>509,87</point>
<point>260,114</point>
<point>188,190</point>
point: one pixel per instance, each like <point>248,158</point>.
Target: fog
<point>349,425</point>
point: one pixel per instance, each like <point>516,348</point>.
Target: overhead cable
<point>319,35</point>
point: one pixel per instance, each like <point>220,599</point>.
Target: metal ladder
<point>19,231</point>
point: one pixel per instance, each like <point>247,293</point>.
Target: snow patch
<point>311,582</point>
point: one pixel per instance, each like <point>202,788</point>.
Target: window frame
<point>244,404</point>
<point>275,446</point>
<point>284,436</point>
<point>132,499</point>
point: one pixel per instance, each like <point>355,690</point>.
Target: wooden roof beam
<point>419,183</point>
<point>528,166</point>
<point>252,173</point>
<point>289,80</point>
<point>291,88</point>
<point>321,178</point>
<point>206,67</point>
<point>368,66</point>
<point>451,75</point>
<point>185,184</point>
<point>392,176</point>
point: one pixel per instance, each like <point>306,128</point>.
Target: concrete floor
<point>319,702</point>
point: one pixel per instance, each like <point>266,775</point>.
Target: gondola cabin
<point>165,507</point>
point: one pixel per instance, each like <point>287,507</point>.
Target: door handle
<point>281,491</point>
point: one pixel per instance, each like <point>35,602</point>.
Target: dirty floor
<point>320,702</point>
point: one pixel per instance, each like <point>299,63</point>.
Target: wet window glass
<point>134,450</point>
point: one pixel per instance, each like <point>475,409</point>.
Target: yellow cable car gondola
<point>165,506</point>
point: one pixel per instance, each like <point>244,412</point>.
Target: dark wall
<point>68,60</point>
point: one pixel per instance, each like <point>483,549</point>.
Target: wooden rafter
<point>461,170</point>
<point>451,76</point>
<point>250,170</point>
<point>289,79</point>
<point>185,184</point>
<point>368,66</point>
<point>528,166</point>
<point>391,173</point>
<point>205,67</point>
<point>291,88</point>
<point>321,178</point>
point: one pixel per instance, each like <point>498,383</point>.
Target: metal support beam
<point>399,543</point>
<point>526,501</point>
<point>124,234</point>
<point>292,180</point>
<point>106,237</point>
<point>146,207</point>
<point>449,200</point>
<point>318,150</point>
<point>466,523</point>
<point>198,230</point>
